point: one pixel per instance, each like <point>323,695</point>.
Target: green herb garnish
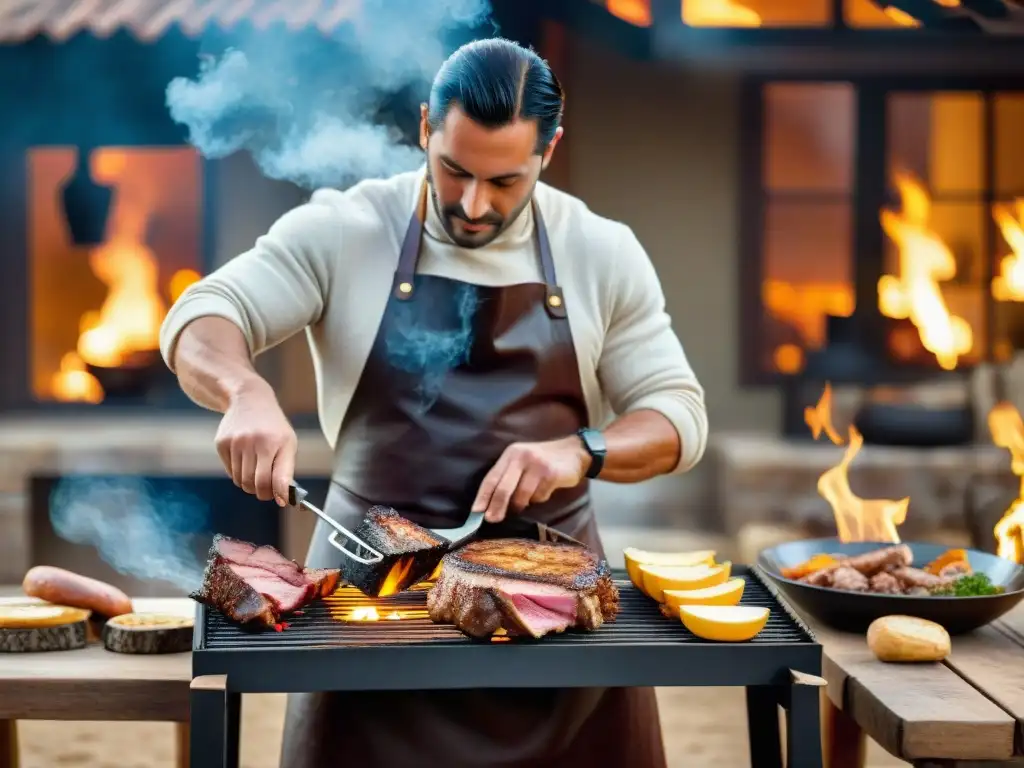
<point>970,585</point>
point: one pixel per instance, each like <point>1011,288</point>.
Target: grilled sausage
<point>878,560</point>
<point>849,579</point>
<point>886,584</point>
<point>917,577</point>
<point>56,585</point>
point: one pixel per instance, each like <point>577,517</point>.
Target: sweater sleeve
<point>643,365</point>
<point>272,291</point>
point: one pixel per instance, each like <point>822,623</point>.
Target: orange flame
<point>819,418</point>
<point>696,13</point>
<point>1007,428</point>
<point>719,13</point>
<point>396,578</point>
<point>369,613</point>
<point>1008,285</point>
<point>856,519</point>
<point>924,260</point>
<point>363,613</point>
<point>129,319</point>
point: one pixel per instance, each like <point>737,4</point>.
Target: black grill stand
<point>216,716</point>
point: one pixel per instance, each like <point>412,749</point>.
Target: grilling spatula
<point>464,531</point>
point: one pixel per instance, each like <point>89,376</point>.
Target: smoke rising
<point>430,353</point>
<point>134,529</point>
<point>309,107</point>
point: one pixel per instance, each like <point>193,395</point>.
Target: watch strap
<point>593,442</point>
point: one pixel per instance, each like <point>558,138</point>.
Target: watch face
<point>594,441</point>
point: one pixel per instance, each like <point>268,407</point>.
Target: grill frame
<point>276,664</point>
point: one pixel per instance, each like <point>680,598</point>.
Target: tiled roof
<point>149,19</point>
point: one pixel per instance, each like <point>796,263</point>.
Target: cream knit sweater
<point>326,267</point>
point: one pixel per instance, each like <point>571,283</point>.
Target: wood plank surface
<point>993,662</point>
<point>915,711</point>
<point>95,684</point>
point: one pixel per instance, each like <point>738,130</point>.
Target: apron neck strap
<point>408,258</point>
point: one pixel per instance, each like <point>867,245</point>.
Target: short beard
<point>446,223</point>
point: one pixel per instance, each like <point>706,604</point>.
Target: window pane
<point>755,13</point>
<point>1009,151</point>
<point>935,267</point>
<point>809,136</point>
<point>939,138</point>
<point>807,275</point>
<point>867,13</point>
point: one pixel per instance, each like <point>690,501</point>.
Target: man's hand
<point>528,473</point>
<point>257,444</point>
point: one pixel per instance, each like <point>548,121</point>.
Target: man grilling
<point>482,342</point>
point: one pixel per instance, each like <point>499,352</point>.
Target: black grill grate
<point>331,622</point>
<point>328,648</point>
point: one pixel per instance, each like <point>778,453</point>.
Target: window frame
<point>869,193</point>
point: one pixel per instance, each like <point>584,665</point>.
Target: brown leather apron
<point>457,373</point>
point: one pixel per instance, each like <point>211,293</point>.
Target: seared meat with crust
<point>411,553</point>
<point>251,584</point>
<point>525,587</point>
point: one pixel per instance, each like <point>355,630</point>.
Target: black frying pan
<point>854,611</point>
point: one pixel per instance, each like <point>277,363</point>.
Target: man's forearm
<point>641,445</point>
<point>212,363</point>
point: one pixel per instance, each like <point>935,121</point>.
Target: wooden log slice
<point>148,633</point>
<point>38,628</point>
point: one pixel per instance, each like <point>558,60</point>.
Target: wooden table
<point>95,684</point>
<point>953,714</point>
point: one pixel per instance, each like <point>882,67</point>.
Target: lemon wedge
<point>658,578</point>
<point>636,557</point>
<point>725,623</point>
<point>727,593</point>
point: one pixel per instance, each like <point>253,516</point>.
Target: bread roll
<point>907,638</point>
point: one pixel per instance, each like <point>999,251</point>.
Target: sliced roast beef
<point>325,580</point>
<point>525,587</point>
<point>257,584</point>
<point>227,591</point>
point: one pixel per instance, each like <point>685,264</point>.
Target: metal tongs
<point>297,498</point>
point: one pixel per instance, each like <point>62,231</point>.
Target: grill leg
<point>763,726</point>
<point>803,720</point>
<point>215,718</point>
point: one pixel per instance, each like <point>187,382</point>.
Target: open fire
<point>856,519</point>
<point>1007,428</point>
<point>1008,285</point>
<point>924,260</point>
<point>860,519</point>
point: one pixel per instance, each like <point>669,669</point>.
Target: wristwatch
<point>593,442</point>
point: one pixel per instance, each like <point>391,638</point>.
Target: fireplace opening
<point>96,308</point>
<point>149,536</point>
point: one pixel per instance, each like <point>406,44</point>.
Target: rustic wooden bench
<point>967,710</point>
<point>93,684</point>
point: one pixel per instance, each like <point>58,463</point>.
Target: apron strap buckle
<point>554,301</point>
<point>403,286</point>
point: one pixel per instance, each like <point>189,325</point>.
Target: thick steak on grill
<point>411,553</point>
<point>527,588</point>
<point>255,584</point>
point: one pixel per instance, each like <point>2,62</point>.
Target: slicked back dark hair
<point>496,81</point>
